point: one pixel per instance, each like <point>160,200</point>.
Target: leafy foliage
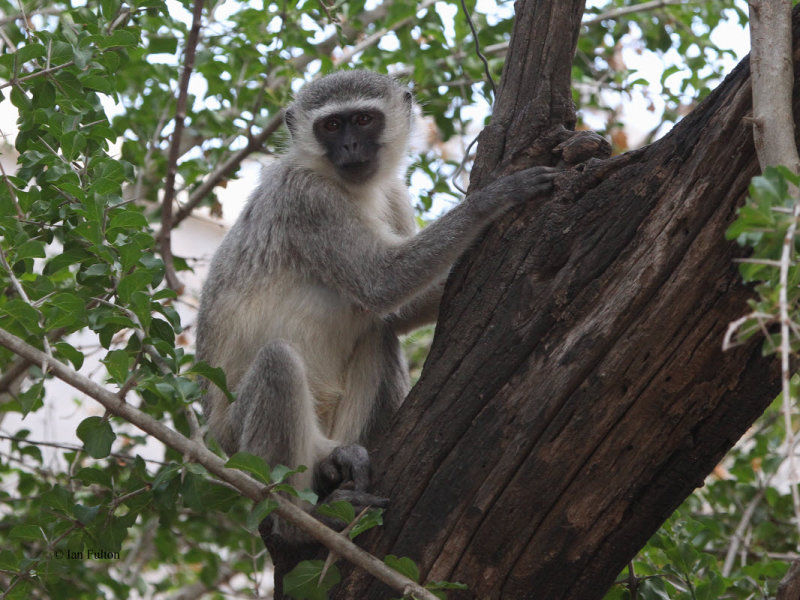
<point>94,85</point>
<point>730,539</point>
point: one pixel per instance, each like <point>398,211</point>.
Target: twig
<point>198,453</point>
<point>226,169</point>
<point>74,448</point>
<point>34,563</point>
<point>738,535</point>
<point>374,38</point>
<point>786,373</point>
<point>174,151</point>
<point>48,71</point>
<point>626,10</point>
<point>21,291</point>
<point>26,17</point>
<point>332,556</point>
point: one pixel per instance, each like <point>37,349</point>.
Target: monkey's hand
<point>518,187</point>
<point>344,475</point>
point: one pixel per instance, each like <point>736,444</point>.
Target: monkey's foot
<point>344,475</point>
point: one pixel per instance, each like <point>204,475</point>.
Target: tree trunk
<point>576,391</point>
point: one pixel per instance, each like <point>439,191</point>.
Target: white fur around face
<point>395,139</point>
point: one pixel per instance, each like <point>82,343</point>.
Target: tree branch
<point>789,587</point>
<point>254,143</point>
<point>165,238</point>
<point>772,77</point>
<point>198,453</point>
<point>772,80</point>
<point>228,167</point>
<point>635,8</point>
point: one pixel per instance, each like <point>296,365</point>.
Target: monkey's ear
<point>289,119</point>
<point>408,97</point>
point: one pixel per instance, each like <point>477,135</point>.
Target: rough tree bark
<point>576,391</point>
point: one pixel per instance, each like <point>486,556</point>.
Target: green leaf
<point>214,374</point>
<point>446,585</point>
<point>59,499</point>
<point>30,52</point>
<point>72,144</point>
<point>166,474</point>
<point>86,514</point>
<point>303,581</point>
<point>372,518</point>
<point>120,37</point>
<point>93,475</point>
<point>129,219</point>
<point>653,588</point>
<point>280,473</point>
<point>97,436</point>
<point>69,352</point>
<point>29,249</point>
<point>403,565</point>
<point>260,512</point>
<point>252,464</point>
<point>341,510</point>
<point>136,281</point>
<point>8,561</point>
<point>163,45</point>
<point>117,364</point>
<point>31,399</point>
<point>26,533</point>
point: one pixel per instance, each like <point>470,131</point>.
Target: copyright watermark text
<point>88,554</point>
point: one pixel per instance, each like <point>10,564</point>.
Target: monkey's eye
<point>332,124</point>
<point>362,119</point>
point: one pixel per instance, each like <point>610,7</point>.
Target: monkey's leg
<point>376,383</point>
<point>275,411</point>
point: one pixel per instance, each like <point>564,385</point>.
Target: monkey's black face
<point>351,140</point>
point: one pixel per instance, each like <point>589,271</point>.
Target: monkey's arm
<point>340,249</point>
<point>419,311</point>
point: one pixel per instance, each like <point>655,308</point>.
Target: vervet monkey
<point>323,269</point>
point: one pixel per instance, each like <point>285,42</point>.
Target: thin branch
<point>786,351</point>
<point>48,71</point>
<point>738,535</point>
<point>228,167</point>
<point>75,448</point>
<point>198,453</point>
<point>26,17</point>
<point>376,37</point>
<point>21,292</point>
<point>635,8</point>
<point>172,162</point>
<point>772,79</point>
<point>35,563</point>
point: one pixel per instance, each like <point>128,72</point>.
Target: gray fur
<point>309,289</point>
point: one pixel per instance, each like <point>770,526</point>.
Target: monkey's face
<point>351,140</point>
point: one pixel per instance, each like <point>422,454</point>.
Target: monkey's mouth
<point>355,167</point>
<point>357,171</point>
